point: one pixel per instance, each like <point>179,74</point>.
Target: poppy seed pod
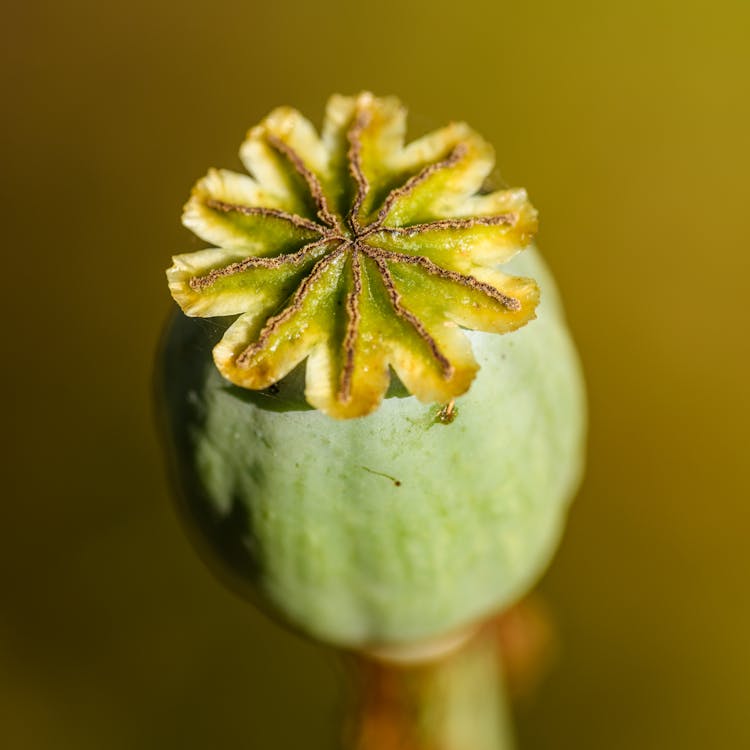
<point>352,438</point>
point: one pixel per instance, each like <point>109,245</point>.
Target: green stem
<point>454,702</point>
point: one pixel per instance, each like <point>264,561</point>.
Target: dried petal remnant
<point>357,252</point>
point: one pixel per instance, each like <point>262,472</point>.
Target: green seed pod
<point>364,270</point>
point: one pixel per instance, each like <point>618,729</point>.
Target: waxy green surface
<point>357,253</point>
<point>394,527</point>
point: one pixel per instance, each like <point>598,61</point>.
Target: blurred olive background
<point>629,124</point>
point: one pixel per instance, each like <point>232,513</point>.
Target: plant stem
<point>453,702</point>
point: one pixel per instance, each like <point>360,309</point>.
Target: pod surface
<point>393,527</point>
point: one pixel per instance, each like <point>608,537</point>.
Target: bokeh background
<point>628,123</point>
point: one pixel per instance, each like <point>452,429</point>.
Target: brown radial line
<point>499,220</point>
<point>199,283</point>
<point>510,303</point>
<point>297,221</point>
<point>455,155</point>
<point>352,329</point>
<point>379,260</point>
<point>272,324</point>
<point>313,183</point>
<point>354,156</point>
